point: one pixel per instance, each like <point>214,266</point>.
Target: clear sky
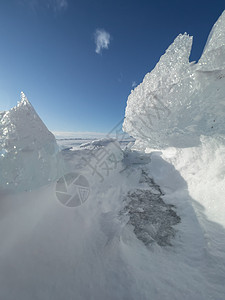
<point>48,50</point>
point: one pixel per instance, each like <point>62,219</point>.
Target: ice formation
<point>29,154</point>
<point>51,252</point>
<point>179,101</point>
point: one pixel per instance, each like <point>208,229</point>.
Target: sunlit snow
<point>113,219</point>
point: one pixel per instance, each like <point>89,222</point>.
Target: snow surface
<point>97,251</point>
<point>153,224</point>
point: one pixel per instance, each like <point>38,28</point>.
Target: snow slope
<point>97,251</point>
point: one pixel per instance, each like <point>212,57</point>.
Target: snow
<point>152,224</point>
<point>99,143</point>
<point>94,251</point>
<point>204,171</point>
<point>68,135</point>
<point>75,140</point>
<point>29,155</point>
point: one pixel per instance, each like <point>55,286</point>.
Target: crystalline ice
<point>213,54</point>
<point>179,101</point>
<point>29,155</point>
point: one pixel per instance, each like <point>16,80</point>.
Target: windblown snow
<point>141,221</point>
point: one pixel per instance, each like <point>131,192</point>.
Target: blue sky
<point>48,50</point>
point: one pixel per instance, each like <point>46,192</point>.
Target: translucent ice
<point>179,101</point>
<point>213,54</point>
<point>28,151</point>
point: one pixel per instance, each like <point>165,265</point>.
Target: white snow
<point>50,251</point>
<point>113,246</point>
<point>203,169</point>
<point>68,135</point>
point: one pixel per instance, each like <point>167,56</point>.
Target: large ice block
<point>29,155</point>
<point>178,101</point>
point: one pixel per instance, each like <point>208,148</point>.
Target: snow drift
<point>179,101</point>
<point>29,154</point>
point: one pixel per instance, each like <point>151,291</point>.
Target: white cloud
<point>102,40</point>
